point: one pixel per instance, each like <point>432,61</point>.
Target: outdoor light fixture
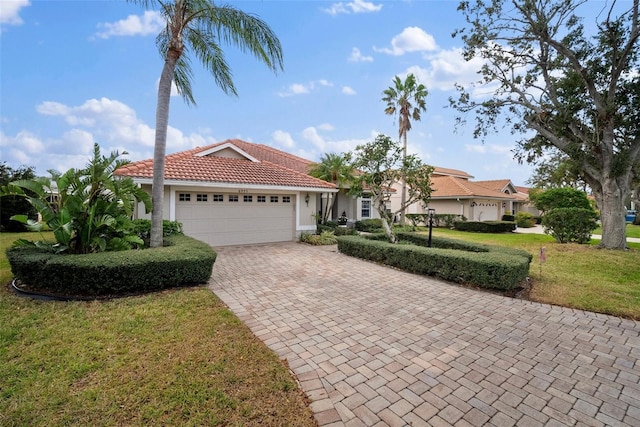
<point>431,212</point>
<point>306,199</point>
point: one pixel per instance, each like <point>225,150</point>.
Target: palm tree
<point>407,99</point>
<point>332,168</point>
<point>197,27</point>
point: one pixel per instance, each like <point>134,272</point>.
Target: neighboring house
<point>455,193</point>
<point>236,192</point>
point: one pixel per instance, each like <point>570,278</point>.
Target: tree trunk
<point>160,147</point>
<point>388,230</point>
<point>610,198</point>
<point>403,197</point>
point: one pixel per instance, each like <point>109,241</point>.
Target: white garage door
<point>486,210</point>
<point>222,219</point>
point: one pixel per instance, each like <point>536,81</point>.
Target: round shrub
<point>525,220</point>
<point>568,225</point>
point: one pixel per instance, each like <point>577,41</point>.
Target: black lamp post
<point>431,213</point>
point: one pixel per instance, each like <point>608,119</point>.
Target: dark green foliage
<point>508,218</point>
<point>439,220</point>
<point>184,261</point>
<point>461,262</point>
<point>11,205</point>
<point>373,225</point>
<point>570,224</point>
<point>142,228</point>
<point>485,226</point>
<point>560,198</point>
<point>525,219</point>
<point>335,229</point>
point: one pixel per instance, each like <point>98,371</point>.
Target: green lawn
<point>178,357</point>
<point>577,276</point>
<point>632,230</point>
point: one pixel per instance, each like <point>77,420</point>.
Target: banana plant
<point>89,209</point>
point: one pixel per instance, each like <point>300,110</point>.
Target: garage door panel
<point>236,223</point>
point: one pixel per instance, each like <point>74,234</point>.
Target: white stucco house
<point>236,192</point>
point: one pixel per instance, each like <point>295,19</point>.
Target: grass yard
<point>632,230</point>
<point>178,357</point>
<point>577,276</point>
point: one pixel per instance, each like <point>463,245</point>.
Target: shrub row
<point>182,261</point>
<point>456,261</point>
<point>369,225</point>
<point>485,226</point>
<point>439,220</point>
<point>338,231</point>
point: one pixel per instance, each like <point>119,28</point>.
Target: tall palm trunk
<point>403,196</point>
<point>160,148</point>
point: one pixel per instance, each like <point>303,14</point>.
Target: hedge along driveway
<point>460,262</point>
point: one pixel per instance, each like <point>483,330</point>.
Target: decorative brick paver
<point>374,346</point>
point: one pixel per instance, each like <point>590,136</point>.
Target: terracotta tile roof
<point>495,184</point>
<point>270,154</point>
<point>521,189</point>
<point>438,171</point>
<point>188,166</point>
<point>450,186</point>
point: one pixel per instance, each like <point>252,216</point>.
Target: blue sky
<point>78,72</point>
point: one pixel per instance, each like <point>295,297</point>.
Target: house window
<point>247,199</point>
<point>201,197</point>
<point>365,211</point>
<point>233,197</point>
<point>286,199</point>
<point>262,199</point>
<point>273,199</point>
<point>184,197</point>
<point>218,198</point>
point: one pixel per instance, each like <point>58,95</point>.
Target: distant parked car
<point>631,216</point>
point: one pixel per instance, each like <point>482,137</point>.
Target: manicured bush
<point>369,225</point>
<point>506,217</point>
<point>338,231</point>
<point>525,220</point>
<point>460,262</point>
<point>324,238</point>
<point>439,220</point>
<point>485,226</point>
<point>570,224</point>
<point>183,261</point>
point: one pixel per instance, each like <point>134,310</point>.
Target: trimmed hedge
<point>182,261</point>
<point>439,220</point>
<point>372,225</point>
<point>492,267</point>
<point>485,226</point>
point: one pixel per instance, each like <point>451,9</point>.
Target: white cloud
<point>348,90</point>
<point>151,22</point>
<point>326,126</point>
<point>322,145</point>
<point>111,123</point>
<point>411,39</point>
<point>356,6</point>
<point>304,88</point>
<point>10,11</point>
<point>282,139</point>
<point>357,56</point>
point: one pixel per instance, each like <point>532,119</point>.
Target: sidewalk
<point>537,229</point>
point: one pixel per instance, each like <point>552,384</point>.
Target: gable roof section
<point>498,185</point>
<point>438,171</point>
<point>264,152</point>
<point>447,187</point>
<point>192,166</point>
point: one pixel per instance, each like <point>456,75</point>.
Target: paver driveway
<point>376,346</point>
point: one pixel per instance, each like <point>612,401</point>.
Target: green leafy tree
<point>407,100</point>
<point>197,28</point>
<point>556,170</point>
<point>560,198</point>
<point>382,163</point>
<point>578,92</point>
<point>332,168</point>
<point>11,205</point>
<point>88,210</point>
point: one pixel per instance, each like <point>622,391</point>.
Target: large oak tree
<point>571,81</point>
